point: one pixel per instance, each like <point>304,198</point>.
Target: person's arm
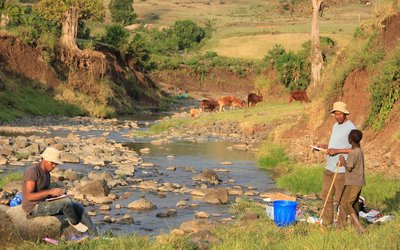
<point>346,165</point>
<point>30,195</point>
<point>335,151</point>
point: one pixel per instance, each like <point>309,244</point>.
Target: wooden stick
<point>329,192</point>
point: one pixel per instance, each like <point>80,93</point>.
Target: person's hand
<point>332,151</point>
<point>342,160</point>
<point>57,192</point>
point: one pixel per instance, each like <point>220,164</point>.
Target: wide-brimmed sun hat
<point>52,154</point>
<point>340,106</point>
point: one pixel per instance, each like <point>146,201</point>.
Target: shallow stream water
<point>189,158</point>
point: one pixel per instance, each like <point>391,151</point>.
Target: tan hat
<point>340,106</point>
<point>52,154</point>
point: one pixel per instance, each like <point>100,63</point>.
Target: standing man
<point>338,145</point>
<point>36,189</point>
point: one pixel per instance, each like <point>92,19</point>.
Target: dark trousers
<point>74,211</point>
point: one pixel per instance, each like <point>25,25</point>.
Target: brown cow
<point>210,105</point>
<point>298,95</point>
<point>253,99</point>
<point>231,101</point>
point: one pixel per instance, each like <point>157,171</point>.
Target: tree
<point>316,53</point>
<point>187,33</point>
<point>122,11</point>
<point>69,12</point>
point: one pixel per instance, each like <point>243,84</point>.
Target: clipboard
<point>319,149</point>
<point>57,198</point>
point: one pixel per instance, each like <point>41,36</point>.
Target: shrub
<point>116,36</point>
<point>293,71</point>
<point>273,54</point>
<point>137,49</point>
<point>187,33</point>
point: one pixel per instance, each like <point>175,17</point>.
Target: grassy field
<point>248,29</point>
<point>264,112</point>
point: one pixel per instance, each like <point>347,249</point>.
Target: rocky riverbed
<point>133,184</point>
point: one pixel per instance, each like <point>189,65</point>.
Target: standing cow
<point>253,99</point>
<point>210,105</point>
<point>231,101</point>
<point>298,95</point>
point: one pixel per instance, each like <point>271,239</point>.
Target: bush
<point>122,11</point>
<point>137,49</point>
<point>293,71</point>
<point>273,54</point>
<point>187,33</point>
<point>116,36</point>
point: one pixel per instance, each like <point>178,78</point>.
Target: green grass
<point>302,179</point>
<point>264,113</point>
<point>20,99</point>
<point>9,177</point>
<point>270,156</point>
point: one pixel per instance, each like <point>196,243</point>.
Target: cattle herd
<point>233,102</point>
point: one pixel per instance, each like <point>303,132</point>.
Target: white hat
<point>52,154</point>
<point>340,106</point>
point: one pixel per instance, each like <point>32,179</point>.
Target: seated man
<point>36,189</point>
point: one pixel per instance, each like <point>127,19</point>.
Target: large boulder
<point>208,176</point>
<point>142,204</point>
<point>100,175</point>
<point>69,158</point>
<point>33,228</point>
<point>96,188</point>
<point>217,196</point>
<point>21,142</point>
<point>3,161</point>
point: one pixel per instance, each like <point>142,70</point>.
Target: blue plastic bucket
<point>284,212</point>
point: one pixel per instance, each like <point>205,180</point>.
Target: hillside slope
<point>99,83</point>
<point>353,78</point>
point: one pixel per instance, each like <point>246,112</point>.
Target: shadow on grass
<point>393,204</point>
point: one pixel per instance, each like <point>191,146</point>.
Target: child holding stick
<point>354,181</point>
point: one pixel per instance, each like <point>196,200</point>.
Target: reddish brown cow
<point>254,99</point>
<point>298,95</point>
<point>210,105</point>
<point>231,101</point>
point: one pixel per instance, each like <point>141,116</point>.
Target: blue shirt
<point>340,140</point>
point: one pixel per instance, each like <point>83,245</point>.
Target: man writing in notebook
<point>36,190</point>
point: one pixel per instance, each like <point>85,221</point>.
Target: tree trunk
<point>69,28</point>
<point>316,54</point>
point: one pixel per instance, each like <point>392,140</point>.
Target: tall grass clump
<point>271,155</point>
<point>9,177</point>
<point>91,105</point>
<point>302,179</point>
<point>385,91</point>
